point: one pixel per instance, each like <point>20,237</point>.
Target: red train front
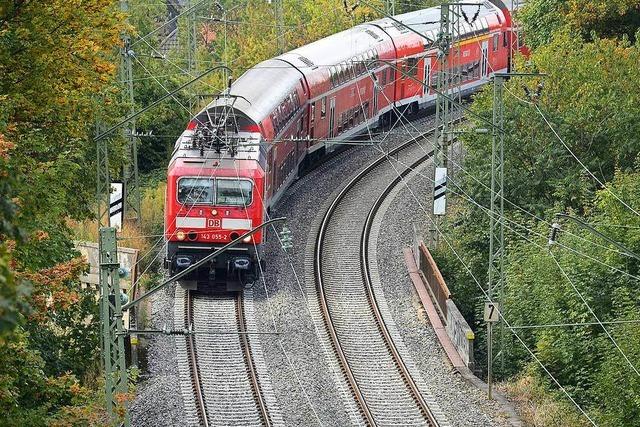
<point>215,188</point>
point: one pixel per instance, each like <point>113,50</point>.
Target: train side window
<point>383,78</point>
<point>496,41</point>
<point>313,112</point>
<point>323,108</point>
<point>504,39</point>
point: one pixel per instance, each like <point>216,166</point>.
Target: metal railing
<point>434,279</point>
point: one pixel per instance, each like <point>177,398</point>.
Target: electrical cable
<point>489,299</point>
<point>469,198</point>
<point>564,273</point>
<point>584,301</point>
<point>269,303</point>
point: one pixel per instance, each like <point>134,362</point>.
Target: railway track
<point>356,321</point>
<point>219,374</point>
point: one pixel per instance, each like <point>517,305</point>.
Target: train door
<point>376,94</point>
<point>332,117</point>
<point>312,120</point>
<point>427,76</point>
<point>484,62</point>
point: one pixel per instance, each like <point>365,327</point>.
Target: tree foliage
<point>589,100</point>
<point>57,66</point>
<point>599,18</point>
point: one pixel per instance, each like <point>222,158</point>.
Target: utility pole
<point>112,344</point>
<point>130,179</point>
<point>496,218</point>
<point>496,214</point>
<point>192,49</point>
<point>279,6</point>
<point>390,7</point>
<point>113,356</point>
<point>448,98</point>
<point>103,188</point>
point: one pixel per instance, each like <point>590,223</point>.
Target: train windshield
<point>233,192</point>
<point>193,191</point>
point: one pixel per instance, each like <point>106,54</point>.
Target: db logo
<point>213,223</point>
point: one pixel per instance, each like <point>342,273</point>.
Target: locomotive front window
<point>193,191</point>
<point>233,192</point>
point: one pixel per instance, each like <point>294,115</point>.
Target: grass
<point>540,408</point>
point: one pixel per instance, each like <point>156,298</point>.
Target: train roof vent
<point>307,61</point>
<point>372,34</point>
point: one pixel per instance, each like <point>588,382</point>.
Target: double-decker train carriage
<point>239,154</point>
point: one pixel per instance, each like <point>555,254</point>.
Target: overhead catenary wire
<point>269,301</point>
<point>542,365</point>
<point>566,276</point>
<point>401,115</point>
<point>578,324</point>
<point>564,144</point>
<point>570,151</point>
<point>595,316</point>
<point>485,186</point>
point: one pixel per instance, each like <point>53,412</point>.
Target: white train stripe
<point>191,222</point>
<point>232,224</point>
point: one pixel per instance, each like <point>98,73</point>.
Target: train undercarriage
<point>234,269</point>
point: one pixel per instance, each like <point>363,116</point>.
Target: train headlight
<point>180,235</point>
<point>247,239</point>
<point>214,212</point>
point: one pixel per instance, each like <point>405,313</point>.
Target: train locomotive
<point>238,155</point>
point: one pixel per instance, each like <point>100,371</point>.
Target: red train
<point>226,172</point>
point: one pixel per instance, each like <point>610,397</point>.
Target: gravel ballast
<point>464,404</point>
<point>305,383</point>
<point>158,399</point>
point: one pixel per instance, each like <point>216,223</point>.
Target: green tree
<point>602,18</point>
<point>57,67</point>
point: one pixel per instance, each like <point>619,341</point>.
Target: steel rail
<point>251,368</point>
<point>326,311</point>
<point>366,274</point>
<point>193,362</point>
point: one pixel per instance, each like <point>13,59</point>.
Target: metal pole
<point>103,187</point>
<point>130,179</point>
<point>496,222</point>
<point>116,380</point>
<point>390,7</point>
<point>442,102</point>
<point>489,359</point>
<point>280,25</point>
<point>496,226</point>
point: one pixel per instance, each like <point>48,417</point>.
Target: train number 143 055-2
<point>213,236</point>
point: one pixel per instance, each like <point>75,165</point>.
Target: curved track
<point>379,379</point>
<point>223,387</point>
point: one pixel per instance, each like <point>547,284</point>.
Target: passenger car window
<point>193,191</point>
<point>233,192</point>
